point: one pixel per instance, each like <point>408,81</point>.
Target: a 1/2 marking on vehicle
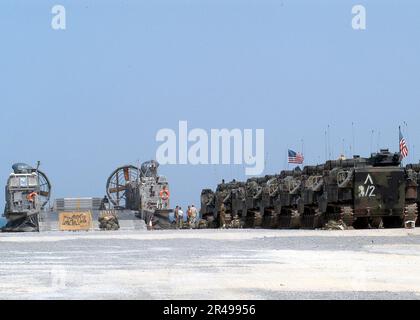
<point>368,189</point>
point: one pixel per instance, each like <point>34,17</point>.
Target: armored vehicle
<point>28,191</point>
<point>412,188</point>
<point>224,196</point>
<point>372,192</point>
<point>254,201</point>
<point>208,209</point>
<point>269,205</point>
<point>143,191</point>
<point>287,197</point>
<point>238,201</point>
<point>232,196</point>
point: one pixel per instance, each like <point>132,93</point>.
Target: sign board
<point>75,221</point>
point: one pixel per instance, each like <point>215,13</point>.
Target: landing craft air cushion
<point>143,191</point>
<point>28,191</point>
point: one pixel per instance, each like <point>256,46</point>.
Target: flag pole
<point>399,139</point>
<point>399,145</point>
<point>302,152</point>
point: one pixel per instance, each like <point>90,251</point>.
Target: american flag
<point>295,157</point>
<point>403,146</point>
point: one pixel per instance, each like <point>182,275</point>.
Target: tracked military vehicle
<point>260,203</point>
<point>412,188</point>
<point>238,201</point>
<point>287,197</point>
<point>208,209</point>
<point>253,201</point>
<point>224,195</point>
<point>369,192</point>
<point>28,191</point>
<point>141,190</point>
<point>232,196</point>
<point>269,205</point>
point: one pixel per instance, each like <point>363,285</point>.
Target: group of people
<point>191,216</point>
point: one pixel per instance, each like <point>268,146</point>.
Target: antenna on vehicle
<point>413,153</point>
<point>325,140</point>
<point>301,140</point>
<point>352,133</point>
<point>371,140</point>
<point>138,170</point>
<point>265,161</point>
<point>408,139</point>
<point>329,144</point>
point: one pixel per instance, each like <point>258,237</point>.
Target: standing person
<point>176,216</point>
<point>189,215</point>
<point>222,216</point>
<point>181,217</point>
<point>194,214</point>
<point>104,203</point>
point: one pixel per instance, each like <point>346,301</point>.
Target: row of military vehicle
<point>361,192</point>
<point>138,190</point>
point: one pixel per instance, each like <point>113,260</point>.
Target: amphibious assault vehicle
<point>28,191</point>
<point>369,192</point>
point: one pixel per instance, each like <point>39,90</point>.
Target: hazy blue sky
<point>92,97</point>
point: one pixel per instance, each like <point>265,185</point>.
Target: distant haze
<point>90,98</point>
